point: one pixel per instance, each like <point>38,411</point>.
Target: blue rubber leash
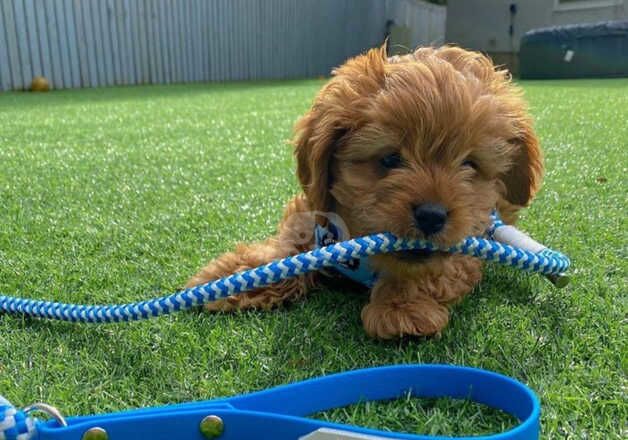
<point>543,260</point>
<point>279,413</point>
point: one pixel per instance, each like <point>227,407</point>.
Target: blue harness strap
<point>280,413</point>
<point>356,269</point>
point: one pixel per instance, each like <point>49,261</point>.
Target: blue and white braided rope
<point>547,262</point>
<point>14,424</point>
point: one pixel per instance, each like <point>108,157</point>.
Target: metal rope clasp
<point>47,409</point>
<point>19,424</point>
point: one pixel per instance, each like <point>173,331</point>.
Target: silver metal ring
<point>47,409</point>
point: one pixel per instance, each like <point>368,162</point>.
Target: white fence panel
<point>96,43</point>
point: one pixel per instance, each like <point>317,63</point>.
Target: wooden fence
<point>94,43</point>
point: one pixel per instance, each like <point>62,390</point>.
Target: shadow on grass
<point>137,93</point>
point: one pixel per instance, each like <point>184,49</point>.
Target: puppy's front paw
<point>400,318</point>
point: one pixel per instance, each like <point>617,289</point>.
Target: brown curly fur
<point>438,108</point>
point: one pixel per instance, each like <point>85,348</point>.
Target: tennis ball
<point>40,84</point>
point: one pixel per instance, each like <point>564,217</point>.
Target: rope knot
<point>15,424</point>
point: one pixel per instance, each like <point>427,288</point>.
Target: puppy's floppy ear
<point>316,139</point>
<point>334,114</point>
<point>523,179</point>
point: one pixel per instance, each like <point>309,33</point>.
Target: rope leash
<point>506,246</point>
<point>545,261</point>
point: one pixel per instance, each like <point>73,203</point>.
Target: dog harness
<point>359,270</point>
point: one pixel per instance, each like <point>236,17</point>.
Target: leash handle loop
<point>280,413</point>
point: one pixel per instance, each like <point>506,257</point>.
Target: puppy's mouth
<point>417,255</point>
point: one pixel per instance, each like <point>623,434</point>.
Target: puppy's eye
<point>391,161</point>
<point>470,164</point>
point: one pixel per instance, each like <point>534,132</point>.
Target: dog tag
<point>336,434</point>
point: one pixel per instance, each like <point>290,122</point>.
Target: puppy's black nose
<point>430,218</point>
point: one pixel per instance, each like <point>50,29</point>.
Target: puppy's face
<point>423,146</point>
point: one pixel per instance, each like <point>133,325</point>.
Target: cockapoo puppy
<point>424,145</point>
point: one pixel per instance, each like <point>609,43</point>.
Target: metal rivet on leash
<point>95,433</point>
<point>212,427</point>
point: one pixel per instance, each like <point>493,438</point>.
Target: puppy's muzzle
<point>430,218</point>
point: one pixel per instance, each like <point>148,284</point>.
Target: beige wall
<point>483,24</point>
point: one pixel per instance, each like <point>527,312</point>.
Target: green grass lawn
<point>116,195</point>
